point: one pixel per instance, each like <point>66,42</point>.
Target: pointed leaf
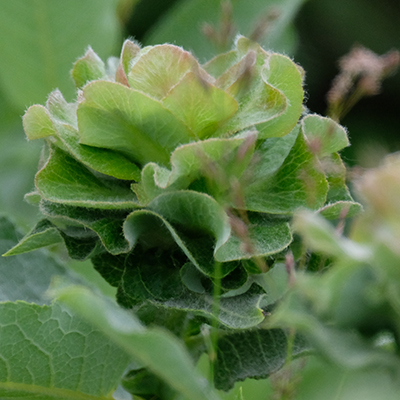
<point>43,234</point>
<point>113,116</point>
<point>24,277</point>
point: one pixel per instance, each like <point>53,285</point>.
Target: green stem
<point>215,323</point>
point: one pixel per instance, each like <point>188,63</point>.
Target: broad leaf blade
<point>65,180</point>
<point>257,354</point>
<point>298,182</point>
<point>141,128</point>
<point>47,353</point>
<point>144,345</point>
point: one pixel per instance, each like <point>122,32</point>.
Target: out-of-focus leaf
<point>320,236</point>
<point>320,379</point>
<point>49,353</point>
<point>40,41</point>
<point>144,345</point>
<point>183,24</point>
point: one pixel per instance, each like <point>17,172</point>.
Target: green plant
<point>179,182</point>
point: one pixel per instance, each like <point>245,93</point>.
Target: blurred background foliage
<point>39,41</point>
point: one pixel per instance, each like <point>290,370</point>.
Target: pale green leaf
<point>324,136</point>
<point>48,353</point>
<point>201,106</point>
<point>88,68</point>
<point>59,121</point>
<point>116,117</point>
<point>320,236</point>
<point>158,69</point>
<point>283,74</point>
<point>218,160</point>
<point>158,350</point>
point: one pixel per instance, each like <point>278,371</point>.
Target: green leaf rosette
<point>173,177</point>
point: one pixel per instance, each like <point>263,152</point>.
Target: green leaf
<point>321,379</point>
<point>200,227</point>
<point>49,353</point>
<point>218,160</point>
<point>65,180</point>
<point>37,123</point>
<point>339,202</point>
<point>266,236</point>
<point>107,225</point>
<point>201,106</point>
<point>42,235</point>
<point>144,345</point>
<point>59,121</point>
<point>320,236</point>
<point>324,136</point>
<point>282,74</point>
<point>24,277</point>
<point>298,182</point>
<point>39,56</point>
<point>197,211</point>
<point>140,127</point>
<point>259,101</point>
<point>90,67</point>
<point>158,69</point>
<point>251,354</point>
<point>238,312</point>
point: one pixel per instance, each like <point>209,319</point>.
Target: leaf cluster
<point>179,181</point>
